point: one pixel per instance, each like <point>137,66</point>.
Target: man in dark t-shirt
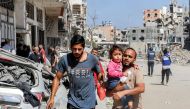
<point>79,66</point>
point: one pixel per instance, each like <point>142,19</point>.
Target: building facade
<point>150,16</point>
<point>30,22</point>
<point>79,16</point>
<point>44,22</point>
<point>142,38</point>
<point>169,21</point>
<point>58,23</point>
<point>7,22</point>
<point>106,32</point>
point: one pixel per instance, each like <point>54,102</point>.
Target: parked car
<point>22,85</point>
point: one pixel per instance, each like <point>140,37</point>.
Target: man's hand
<point>100,78</point>
<point>125,74</point>
<point>53,65</point>
<point>136,66</point>
<point>118,95</point>
<point>55,86</point>
<point>50,103</point>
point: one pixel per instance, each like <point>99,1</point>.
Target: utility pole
<point>91,30</point>
<point>94,20</point>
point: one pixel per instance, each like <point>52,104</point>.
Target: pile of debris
<point>180,56</point>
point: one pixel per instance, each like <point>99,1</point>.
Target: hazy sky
<point>123,13</point>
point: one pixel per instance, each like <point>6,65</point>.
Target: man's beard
<point>127,64</point>
<point>78,56</point>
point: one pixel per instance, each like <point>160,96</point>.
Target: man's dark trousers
<point>150,68</point>
<point>167,73</point>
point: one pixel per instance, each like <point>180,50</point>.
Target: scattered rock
<point>180,56</point>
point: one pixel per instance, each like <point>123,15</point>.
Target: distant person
<point>26,51</point>
<point>150,57</point>
<point>53,59</point>
<point>115,74</point>
<point>2,44</point>
<point>43,53</point>
<point>7,46</point>
<point>94,51</point>
<point>36,56</point>
<point>169,54</point>
<point>166,63</point>
<point>19,49</point>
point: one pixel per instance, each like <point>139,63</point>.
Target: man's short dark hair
<point>95,48</point>
<point>77,39</point>
<point>165,51</point>
<point>133,50</point>
<point>150,48</point>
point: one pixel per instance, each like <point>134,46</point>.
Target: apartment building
<point>41,21</point>
<point>30,22</point>
<point>169,21</point>
<point>7,21</point>
<point>141,38</point>
<point>58,22</point>
<point>79,12</point>
<point>150,16</point>
<point>106,31</point>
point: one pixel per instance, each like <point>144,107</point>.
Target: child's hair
<point>114,47</point>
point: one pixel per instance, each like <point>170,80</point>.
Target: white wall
<point>20,13</point>
<point>75,2</point>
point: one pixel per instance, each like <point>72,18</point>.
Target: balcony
<point>76,10</point>
<point>54,7</point>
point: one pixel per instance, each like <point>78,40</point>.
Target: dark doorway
<point>33,34</point>
<point>41,37</point>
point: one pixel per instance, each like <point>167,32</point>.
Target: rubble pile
<point>180,56</point>
<point>16,73</point>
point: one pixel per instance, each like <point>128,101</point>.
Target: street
<point>35,34</point>
<point>157,96</point>
<point>173,96</point>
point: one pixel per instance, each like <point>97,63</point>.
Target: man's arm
<point>100,77</point>
<point>55,60</point>
<point>139,88</point>
<point>101,73</point>
<point>55,84</point>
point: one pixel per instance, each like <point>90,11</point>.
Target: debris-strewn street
<point>180,56</point>
<point>46,44</point>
